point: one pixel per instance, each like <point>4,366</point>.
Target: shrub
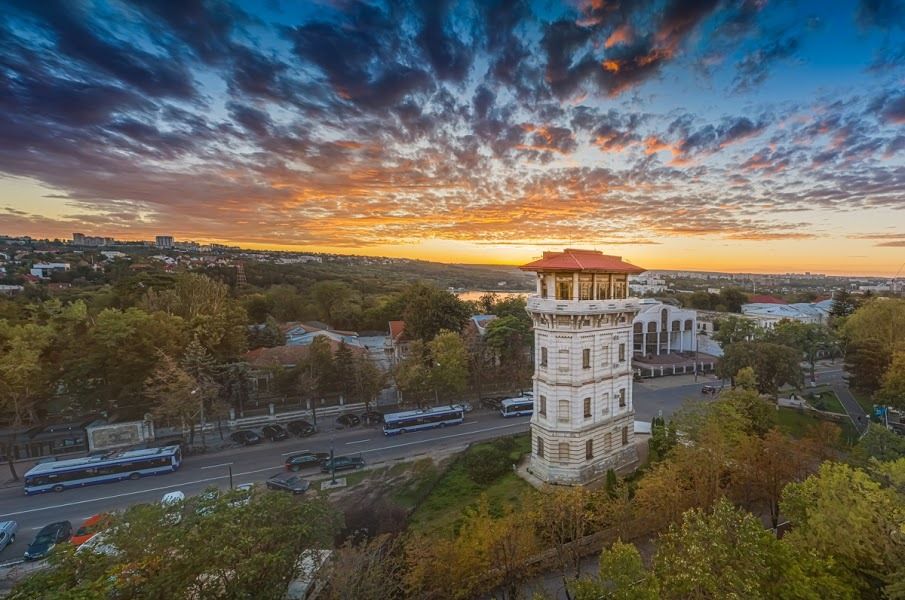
<point>486,463</point>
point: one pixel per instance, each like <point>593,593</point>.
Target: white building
<point>164,241</point>
<point>662,328</point>
<point>768,315</point>
<point>43,270</point>
<point>648,283</point>
<point>583,421</point>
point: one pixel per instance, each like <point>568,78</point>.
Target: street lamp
<point>229,467</point>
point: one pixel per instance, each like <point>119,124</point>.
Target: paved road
<point>257,463</point>
<point>253,464</point>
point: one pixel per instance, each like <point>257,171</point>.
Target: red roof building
<point>582,275</point>
<point>585,261</point>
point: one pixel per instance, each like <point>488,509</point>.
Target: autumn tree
<point>892,389</point>
<point>365,570</point>
<point>564,516</point>
<point>726,553</point>
<point>843,514</point>
<point>173,394</point>
<point>881,320</point>
<point>811,339</point>
<point>621,576</point>
<point>449,364</point>
<point>234,550</point>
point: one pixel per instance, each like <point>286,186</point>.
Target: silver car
<point>8,531</point>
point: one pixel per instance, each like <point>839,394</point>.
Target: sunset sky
<point>756,135</point>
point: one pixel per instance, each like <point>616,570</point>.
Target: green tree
<point>734,329</point>
<point>774,365</point>
<point>811,339</point>
<point>266,335</point>
<point>843,304</point>
<point>732,299</point>
<point>367,380</point>
<point>233,551</point>
<point>726,553</point>
<point>892,389</point>
<point>622,576</point>
<point>449,367</point>
<point>344,370</point>
<point>24,377</point>
<point>760,413</point>
<point>511,339</point>
<point>866,362</point>
<point>336,302</point>
<point>173,394</point>
<point>413,375</point>
<point>880,444</point>
<point>881,320</point>
<point>429,310</point>
<point>843,514</point>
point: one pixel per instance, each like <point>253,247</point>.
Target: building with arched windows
<point>661,328</point>
<point>583,421</point>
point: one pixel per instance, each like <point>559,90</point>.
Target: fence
<point>664,370</point>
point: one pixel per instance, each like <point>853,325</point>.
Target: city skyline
<point>682,134</point>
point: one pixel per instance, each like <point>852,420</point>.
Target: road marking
<point>444,437</point>
<point>236,475</point>
<point>294,452</point>
<point>144,491</point>
<point>359,441</point>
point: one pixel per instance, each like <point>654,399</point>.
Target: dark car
<point>709,389</point>
<point>304,460</point>
<point>343,463</point>
<point>372,417</point>
<point>47,538</point>
<point>274,433</point>
<point>493,402</point>
<point>347,421</point>
<point>288,483</point>
<point>246,438</point>
<point>301,428</point>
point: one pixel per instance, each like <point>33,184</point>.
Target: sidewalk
<point>860,419</point>
<point>674,381</point>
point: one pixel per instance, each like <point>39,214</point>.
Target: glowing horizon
<point>752,137</point>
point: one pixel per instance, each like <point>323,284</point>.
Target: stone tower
<point>583,422</point>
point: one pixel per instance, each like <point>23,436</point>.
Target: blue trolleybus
<point>415,420</point>
<point>116,466</point>
<point>517,407</point>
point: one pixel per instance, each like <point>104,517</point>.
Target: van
<point>8,531</point>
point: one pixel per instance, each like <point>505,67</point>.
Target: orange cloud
<point>621,35</point>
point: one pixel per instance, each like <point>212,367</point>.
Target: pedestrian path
<point>860,419</point>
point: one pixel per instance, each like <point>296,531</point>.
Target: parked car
<point>8,531</point>
<point>245,437</point>
<point>288,483</point>
<point>300,428</point>
<point>172,504</point>
<point>466,406</point>
<point>493,402</point>
<point>303,460</point>
<point>709,389</point>
<point>206,501</point>
<point>47,538</point>
<point>274,433</point>
<point>348,420</point>
<point>242,495</point>
<point>343,463</point>
<point>372,417</point>
<point>90,527</point>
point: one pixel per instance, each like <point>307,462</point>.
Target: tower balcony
<point>536,304</point>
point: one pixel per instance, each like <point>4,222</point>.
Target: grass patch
<point>865,399</point>
<point>456,490</point>
<point>826,401</point>
<point>797,423</point>
<point>424,475</point>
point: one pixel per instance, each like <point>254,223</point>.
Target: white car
<point>172,504</point>
<point>8,531</point>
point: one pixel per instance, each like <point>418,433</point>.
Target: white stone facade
<point>583,421</point>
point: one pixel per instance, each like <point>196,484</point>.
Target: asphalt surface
<point>255,464</point>
<point>251,464</point>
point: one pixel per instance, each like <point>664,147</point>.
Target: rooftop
<point>587,261</point>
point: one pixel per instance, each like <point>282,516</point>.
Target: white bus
<point>116,466</point>
<point>415,420</point>
<point>517,407</point>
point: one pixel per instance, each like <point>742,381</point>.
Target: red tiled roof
<point>397,330</point>
<point>765,299</point>
<point>572,259</point>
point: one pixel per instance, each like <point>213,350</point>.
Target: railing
<point>581,307</point>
